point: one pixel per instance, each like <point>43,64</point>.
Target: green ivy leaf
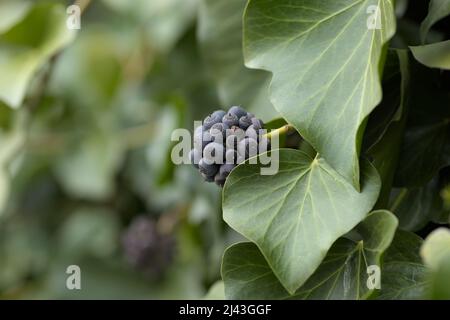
<point>426,143</point>
<point>325,64</point>
<point>342,274</point>
<point>295,215</point>
<point>386,125</point>
<point>216,292</point>
<point>220,35</point>
<point>436,55</point>
<point>26,46</point>
<point>438,10</point>
<point>417,206</point>
<point>404,275</point>
<point>396,80</point>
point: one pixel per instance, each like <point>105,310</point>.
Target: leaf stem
<point>280,131</point>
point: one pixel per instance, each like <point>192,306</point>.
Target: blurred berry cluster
<point>146,249</point>
<point>224,140</point>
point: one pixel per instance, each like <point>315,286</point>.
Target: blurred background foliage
<point>85,124</point>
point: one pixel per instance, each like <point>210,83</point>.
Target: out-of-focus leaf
<point>342,274</point>
<point>88,170</point>
<point>404,275</point>
<point>408,35</point>
<point>438,10</point>
<point>12,11</point>
<point>435,252</point>
<point>11,141</point>
<point>220,35</point>
<point>436,247</point>
<point>28,45</point>
<point>89,232</point>
<point>167,81</point>
<point>163,20</point>
<point>426,142</point>
<point>91,86</point>
<point>440,281</point>
<point>24,251</point>
<point>436,55</point>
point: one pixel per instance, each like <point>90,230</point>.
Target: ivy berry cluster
<point>224,140</point>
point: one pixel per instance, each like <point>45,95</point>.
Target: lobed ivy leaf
<point>220,37</point>
<point>296,215</point>
<point>27,45</point>
<point>342,274</point>
<point>438,9</point>
<point>325,62</point>
<point>435,55</point>
<point>404,275</point>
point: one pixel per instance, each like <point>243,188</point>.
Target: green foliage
<point>438,10</point>
<point>27,44</point>
<point>404,275</point>
<point>342,274</point>
<point>86,119</point>
<point>436,254</point>
<point>313,48</point>
<point>434,55</point>
<point>220,35</point>
<point>309,207</point>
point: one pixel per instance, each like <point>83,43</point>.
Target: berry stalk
<point>280,131</point>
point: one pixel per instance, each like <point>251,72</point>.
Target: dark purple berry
<point>245,122</point>
<point>251,132</point>
<point>215,117</point>
<point>230,120</point>
<point>146,248</point>
<point>225,169</point>
<point>219,179</point>
<point>206,168</point>
<point>214,153</point>
<point>207,178</point>
<point>237,111</point>
<point>248,148</point>
<point>231,156</point>
<point>218,114</point>
<point>218,132</point>
<point>257,124</point>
